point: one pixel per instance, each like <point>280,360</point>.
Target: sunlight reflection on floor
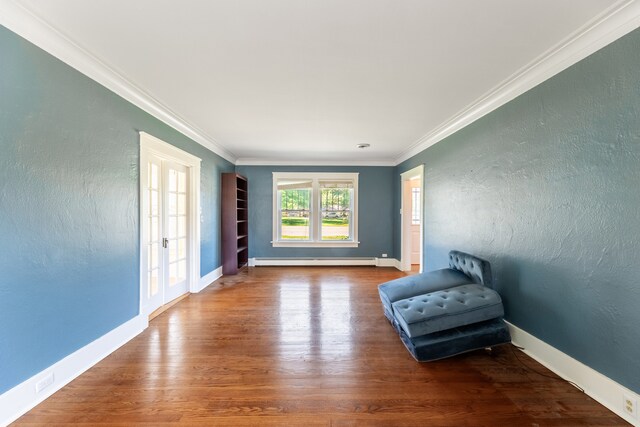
<point>315,319</point>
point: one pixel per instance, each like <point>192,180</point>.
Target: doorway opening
<point>412,214</point>
<point>169,224</point>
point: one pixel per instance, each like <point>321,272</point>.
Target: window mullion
<point>316,214</point>
<point>293,209</point>
<point>279,213</point>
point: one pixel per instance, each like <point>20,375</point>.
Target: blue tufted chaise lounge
<point>446,312</point>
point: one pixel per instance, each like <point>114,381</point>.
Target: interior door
<point>415,222</point>
<point>175,230</point>
<point>154,217</point>
<point>167,237</point>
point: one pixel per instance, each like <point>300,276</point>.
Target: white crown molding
<point>619,19</point>
<point>26,24</point>
<point>264,162</point>
<point>616,21</point>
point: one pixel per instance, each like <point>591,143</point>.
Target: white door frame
<point>151,145</point>
<point>405,215</point>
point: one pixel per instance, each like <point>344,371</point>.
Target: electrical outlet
<point>384,255</point>
<point>630,405</point>
<point>44,383</point>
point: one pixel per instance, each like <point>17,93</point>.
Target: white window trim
<point>316,225</point>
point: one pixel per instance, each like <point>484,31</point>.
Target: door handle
<point>165,242</point>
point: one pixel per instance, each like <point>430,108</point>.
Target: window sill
<point>328,244</point>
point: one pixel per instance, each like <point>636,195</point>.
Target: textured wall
<point>375,198</point>
<point>69,154</point>
<point>547,189</point>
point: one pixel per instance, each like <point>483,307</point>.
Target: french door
<point>167,237</point>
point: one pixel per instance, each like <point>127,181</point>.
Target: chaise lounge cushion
<point>419,284</point>
<point>454,341</point>
<point>446,309</point>
<point>476,268</point>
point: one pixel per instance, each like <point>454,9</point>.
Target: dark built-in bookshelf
<point>235,223</point>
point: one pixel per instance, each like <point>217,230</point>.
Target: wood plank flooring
<point>305,347</point>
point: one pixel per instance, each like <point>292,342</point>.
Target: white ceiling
<point>307,80</point>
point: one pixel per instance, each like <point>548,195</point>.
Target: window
<point>415,206</point>
<point>315,209</point>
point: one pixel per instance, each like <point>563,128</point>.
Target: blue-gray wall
<point>547,188</point>
<point>375,212</point>
<point>69,155</point>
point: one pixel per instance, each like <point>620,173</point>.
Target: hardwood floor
<point>305,347</point>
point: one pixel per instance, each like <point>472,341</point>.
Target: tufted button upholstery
<point>419,284</point>
<point>477,269</point>
<point>445,312</point>
<point>440,310</point>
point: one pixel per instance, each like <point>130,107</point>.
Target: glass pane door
<point>176,229</point>
<point>165,215</point>
<point>153,213</point>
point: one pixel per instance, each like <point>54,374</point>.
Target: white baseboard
<point>601,388</point>
<point>258,262</point>
<point>315,262</point>
<point>23,397</point>
<point>208,279</point>
<point>387,262</point>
